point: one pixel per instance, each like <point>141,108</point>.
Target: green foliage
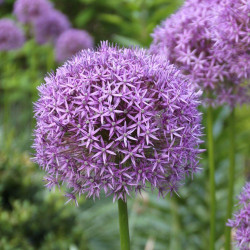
<point>31,217</point>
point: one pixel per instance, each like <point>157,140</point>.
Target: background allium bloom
<point>116,120</point>
<point>241,221</point>
<point>50,26</point>
<point>11,37</point>
<point>187,39</point>
<point>233,39</point>
<point>72,41</point>
<point>27,11</point>
<point>234,23</point>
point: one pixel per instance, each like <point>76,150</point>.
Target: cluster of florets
<point>72,41</point>
<point>27,11</point>
<point>117,120</point>
<point>187,39</point>
<point>233,20</point>
<point>47,22</point>
<point>241,221</point>
<point>11,37</point>
<point>48,29</point>
<point>233,39</point>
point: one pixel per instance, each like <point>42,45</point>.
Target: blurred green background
<point>31,217</point>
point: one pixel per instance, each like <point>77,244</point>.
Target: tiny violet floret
<point>117,120</point>
<point>241,220</point>
<point>11,36</point>
<point>72,41</point>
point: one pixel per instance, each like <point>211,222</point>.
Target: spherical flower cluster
<point>117,120</point>
<point>28,11</point>
<point>233,39</point>
<point>241,221</point>
<point>187,39</point>
<point>11,37</point>
<point>70,42</point>
<point>49,27</point>
<point>234,23</point>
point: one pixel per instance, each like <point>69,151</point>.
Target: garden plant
<point>124,119</point>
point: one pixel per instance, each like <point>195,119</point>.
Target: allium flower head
<point>117,120</point>
<point>187,39</point>
<point>50,26</point>
<point>11,37</point>
<point>70,42</point>
<point>233,16</point>
<point>233,38</point>
<point>28,11</point>
<point>241,220</point>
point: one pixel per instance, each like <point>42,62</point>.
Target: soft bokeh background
<point>31,217</point>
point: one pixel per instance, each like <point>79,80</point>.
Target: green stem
<point>211,176</point>
<point>50,59</point>
<point>123,223</point>
<point>231,177</point>
<point>33,66</point>
<point>175,241</point>
<point>6,105</point>
<point>34,69</point>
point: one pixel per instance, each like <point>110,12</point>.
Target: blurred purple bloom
<point>117,120</point>
<point>241,220</point>
<point>50,26</point>
<point>72,41</point>
<point>233,30</point>
<point>11,37</point>
<point>232,39</point>
<point>28,11</point>
<point>187,39</point>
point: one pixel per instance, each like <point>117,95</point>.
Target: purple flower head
<point>232,40</point>
<point>117,120</point>
<point>187,39</point>
<point>28,11</point>
<point>11,37</point>
<point>70,42</point>
<point>241,220</point>
<point>234,23</point>
<point>50,26</point>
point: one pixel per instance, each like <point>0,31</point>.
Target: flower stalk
<point>231,177</point>
<point>123,224</point>
<point>211,176</point>
<point>50,59</point>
